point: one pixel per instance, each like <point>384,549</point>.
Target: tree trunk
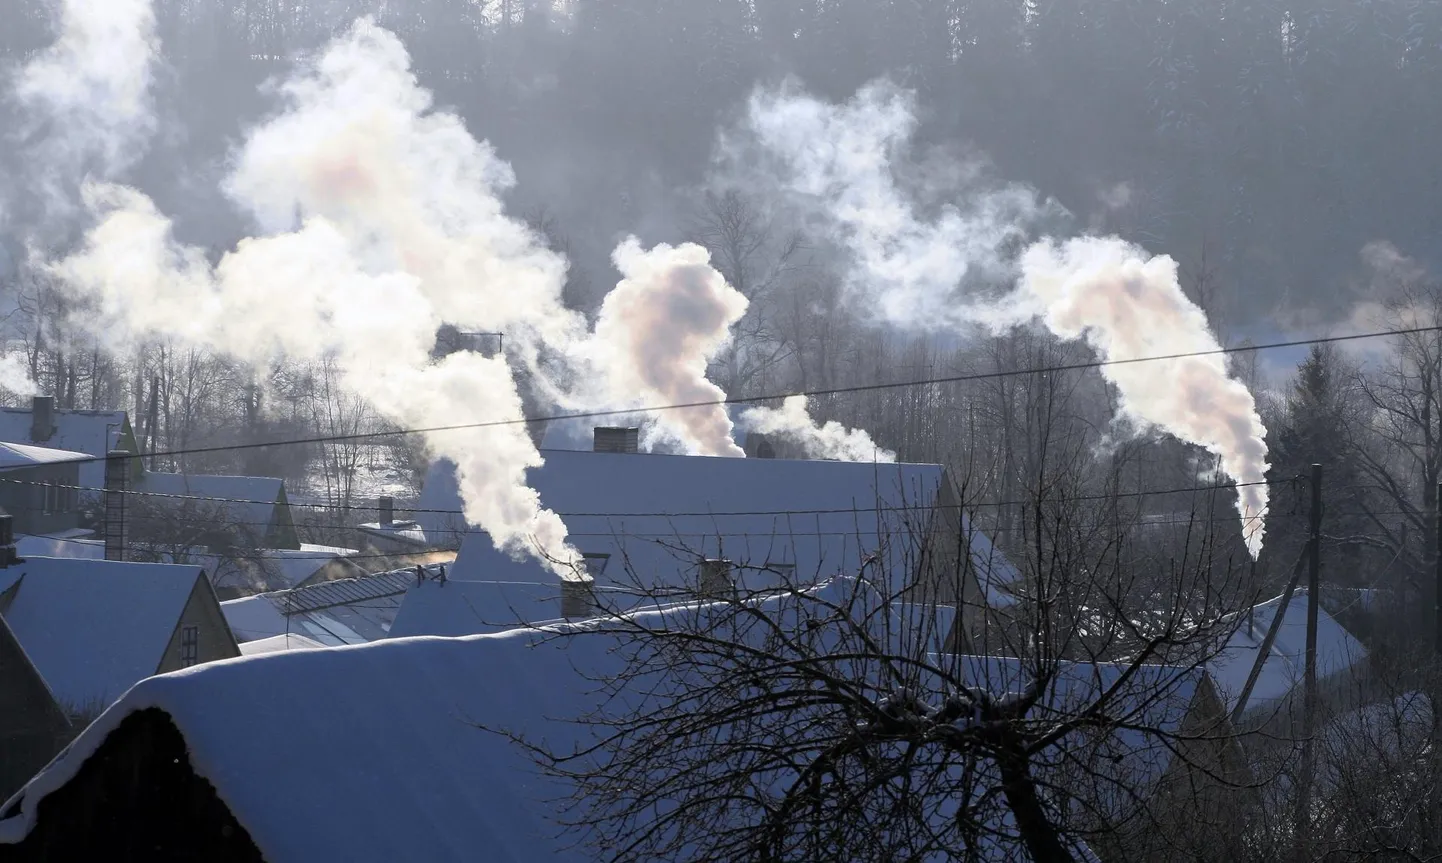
<point>1043,841</point>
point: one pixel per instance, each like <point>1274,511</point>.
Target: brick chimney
<point>117,484</point>
<point>715,580</point>
<point>613,439</point>
<point>387,507</point>
<point>42,418</point>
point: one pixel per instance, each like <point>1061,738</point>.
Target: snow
<point>59,546</point>
<point>94,627</point>
<point>1338,653</point>
<point>93,433</point>
<point>380,752</point>
<point>474,607</point>
<point>660,512</point>
<point>253,618</point>
<point>272,568</point>
<point>14,455</point>
<point>278,644</point>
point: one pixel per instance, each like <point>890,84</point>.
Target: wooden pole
<point>1309,708</point>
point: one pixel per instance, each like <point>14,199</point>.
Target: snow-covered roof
<point>93,433</point>
<point>439,789</point>
<point>474,607</point>
<point>95,627</point>
<point>343,611</point>
<point>14,455</point>
<point>659,513</point>
<point>1337,653</point>
<point>247,502</point>
<point>50,545</point>
<point>278,644</point>
<point>274,568</point>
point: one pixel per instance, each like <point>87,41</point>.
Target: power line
<point>1063,499</point>
<point>741,400</point>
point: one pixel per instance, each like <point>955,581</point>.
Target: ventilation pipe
<point>387,507</point>
<point>715,581</point>
<point>8,555</point>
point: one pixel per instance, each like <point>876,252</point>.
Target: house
<point>1276,696</point>
<point>649,522</point>
<point>94,433</point>
<point>345,611</point>
<point>239,511</point>
<point>33,727</point>
<point>95,627</point>
<point>276,757</point>
<point>39,487</point>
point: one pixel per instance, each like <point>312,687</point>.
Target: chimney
<point>387,507</point>
<point>759,446</point>
<point>42,418</point>
<point>8,555</point>
<point>715,581</point>
<point>117,484</point>
<point>577,600</point>
<point>613,439</point>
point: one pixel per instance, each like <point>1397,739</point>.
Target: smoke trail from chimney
<point>85,100</point>
<point>929,267</point>
<point>402,230</point>
<point>831,440</point>
<point>670,314</point>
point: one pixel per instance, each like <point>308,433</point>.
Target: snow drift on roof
<point>22,455</point>
<point>95,627</point>
<point>278,644</point>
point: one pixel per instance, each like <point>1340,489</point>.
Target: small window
<point>189,646</point>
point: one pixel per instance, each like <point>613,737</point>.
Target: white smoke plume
<point>844,165</point>
<point>838,162</point>
<point>831,440</point>
<point>1127,304</point>
<point>401,230</point>
<point>657,329</point>
<point>85,100</point>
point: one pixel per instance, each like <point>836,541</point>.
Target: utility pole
<point>1309,706</point>
<point>1436,698</point>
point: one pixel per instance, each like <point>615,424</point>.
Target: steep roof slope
<point>95,627</point>
<point>22,455</point>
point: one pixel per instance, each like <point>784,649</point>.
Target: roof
<point>343,611</point>
<point>274,568</point>
<point>27,545</point>
<point>93,433</point>
<point>278,644</point>
<point>438,789</point>
<point>246,501</point>
<point>473,607</point>
<point>95,627</point>
<point>1337,653</point>
<point>13,455</point>
<point>660,513</point>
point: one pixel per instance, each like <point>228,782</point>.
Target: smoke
<point>669,315</point>
<point>1126,305</point>
<point>400,230</point>
<point>844,166</point>
<point>830,440</point>
<point>840,166</point>
<point>85,100</point>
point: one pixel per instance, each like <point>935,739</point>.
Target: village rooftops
<point>95,627</point>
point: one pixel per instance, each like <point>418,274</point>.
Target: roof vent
<point>759,446</point>
<point>8,554</point>
<point>387,507</point>
<point>614,439</point>
<point>715,581</point>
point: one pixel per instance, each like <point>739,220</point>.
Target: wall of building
<point>136,799</point>
<point>32,726</point>
<point>25,498</point>
<point>215,640</point>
